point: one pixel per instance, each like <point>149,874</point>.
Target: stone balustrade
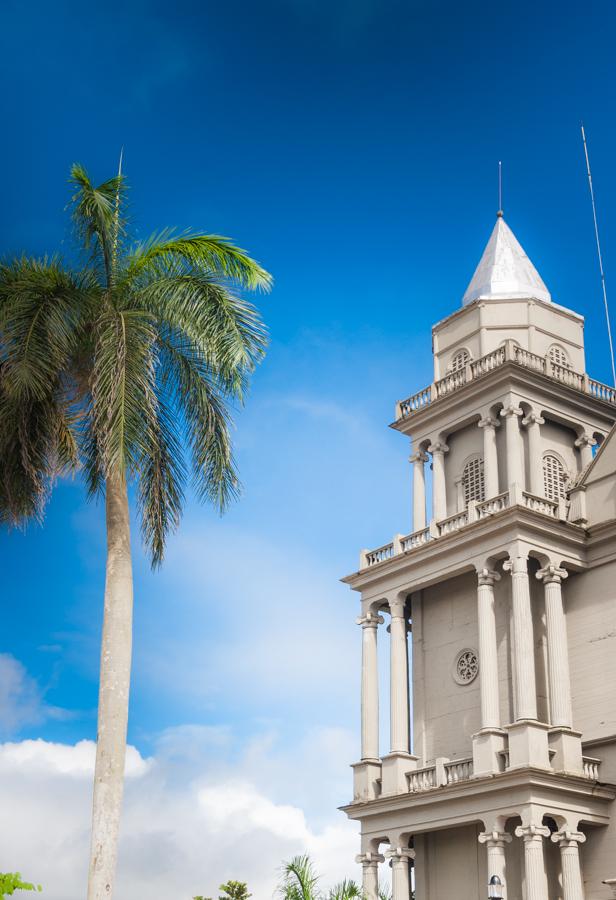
<point>459,770</point>
<point>422,779</point>
<point>475,512</point>
<point>591,767</point>
<point>509,353</point>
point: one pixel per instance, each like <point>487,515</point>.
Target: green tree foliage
<point>231,890</point>
<point>11,882</point>
<point>300,882</point>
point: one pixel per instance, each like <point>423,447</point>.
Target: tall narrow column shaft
<point>370,874</point>
<point>399,679</point>
<point>533,424</point>
<point>524,649</point>
<point>439,492</point>
<point>568,842</point>
<point>419,490</point>
<point>369,686</point>
<point>558,650</point>
<point>495,842</point>
<point>534,863</point>
<point>515,450</point>
<point>490,458</point>
<point>400,874</point>
<point>488,656</point>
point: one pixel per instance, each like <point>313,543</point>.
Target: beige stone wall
<point>598,854</point>
<point>450,863</point>
<point>445,713</point>
<point>462,445</point>
<point>590,603</point>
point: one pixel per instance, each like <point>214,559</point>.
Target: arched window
<point>554,477</point>
<point>558,355</point>
<point>459,360</point>
<point>472,480</point>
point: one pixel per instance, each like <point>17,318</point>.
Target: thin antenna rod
<point>500,187</point>
<point>594,216</point>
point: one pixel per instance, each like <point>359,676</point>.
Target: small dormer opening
<point>554,478</point>
<point>559,356</point>
<point>473,480</point>
<point>459,360</point>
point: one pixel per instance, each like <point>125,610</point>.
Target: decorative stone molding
<point>399,853</point>
<point>370,620</point>
<point>533,419</point>
<point>420,457</point>
<point>568,838</point>
<point>495,838</point>
<point>488,422</point>
<point>487,577</point>
<point>466,666</point>
<point>511,410</point>
<point>532,833</point>
<point>438,447</point>
<point>585,440</point>
<point>369,858</point>
<point>552,575</point>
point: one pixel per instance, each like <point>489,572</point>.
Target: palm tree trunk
<point>113,693</point>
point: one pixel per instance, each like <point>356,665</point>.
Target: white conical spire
<point>505,271</point>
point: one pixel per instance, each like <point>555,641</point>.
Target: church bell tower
<point>505,589</point>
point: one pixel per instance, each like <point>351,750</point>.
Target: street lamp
<point>495,888</point>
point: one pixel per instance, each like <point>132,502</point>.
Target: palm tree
<point>299,882</point>
<point>127,367</point>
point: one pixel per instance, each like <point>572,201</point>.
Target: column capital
<point>511,410</point>
<point>398,853</point>
<point>397,607</point>
<point>494,838</point>
<point>369,858</point>
<point>585,440</point>
<point>370,620</point>
<point>419,457</point>
<point>487,576</point>
<point>516,565</point>
<point>533,419</point>
<point>566,838</point>
<point>552,575</point>
<point>438,447</point>
<point>531,833</point>
<point>488,422</point>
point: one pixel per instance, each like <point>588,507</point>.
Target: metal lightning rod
<point>594,216</point>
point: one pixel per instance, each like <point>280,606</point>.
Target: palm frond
<point>299,881</point>
<point>345,890</point>
<point>227,330</point>
<point>42,309</point>
<point>210,254</point>
<point>96,214</point>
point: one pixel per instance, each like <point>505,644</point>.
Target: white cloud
<point>196,814</point>
<point>21,700</point>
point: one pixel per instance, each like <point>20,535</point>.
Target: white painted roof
<point>505,271</point>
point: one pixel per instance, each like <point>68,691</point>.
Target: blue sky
<point>352,147</point>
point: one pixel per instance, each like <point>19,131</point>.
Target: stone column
<point>534,864</point>
<point>558,651</point>
<point>419,489</point>
<point>515,449</point>
<point>533,424</point>
<point>370,873</point>
<point>490,460</point>
<point>400,875</point>
<point>495,842</point>
<point>488,659</point>
<point>399,679</point>
<point>524,668</point>
<point>585,443</point>
<point>568,842</point>
<point>369,686</point>
<point>439,492</point>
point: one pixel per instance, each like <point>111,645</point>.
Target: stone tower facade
<point>501,607</point>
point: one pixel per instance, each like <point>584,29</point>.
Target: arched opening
<point>554,477</point>
<point>459,360</point>
<point>559,356</point>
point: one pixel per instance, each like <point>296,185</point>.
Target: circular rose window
<point>466,666</point>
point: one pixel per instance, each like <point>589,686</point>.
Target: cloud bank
<point>196,813</point>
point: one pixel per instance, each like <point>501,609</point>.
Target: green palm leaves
<point>129,366</point>
<point>300,882</point>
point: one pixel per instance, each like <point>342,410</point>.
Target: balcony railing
<point>459,770</point>
<point>509,352</point>
<point>591,767</point>
<point>474,512</point>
